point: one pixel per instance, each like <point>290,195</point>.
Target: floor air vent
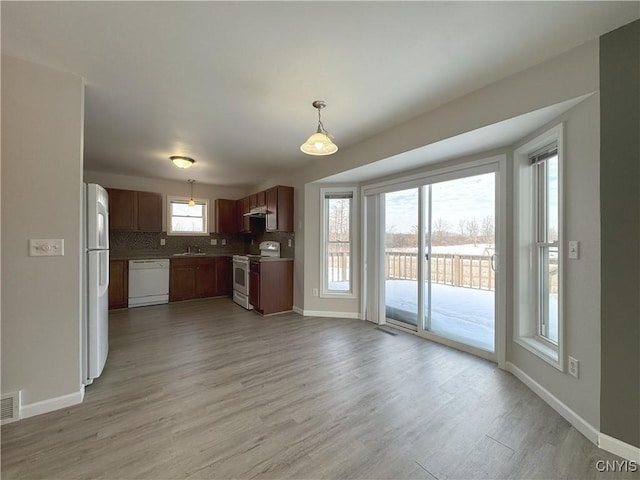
<point>9,407</point>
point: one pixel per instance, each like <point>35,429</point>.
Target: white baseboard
<point>51,404</point>
<point>322,313</point>
<point>618,447</point>
<point>584,427</point>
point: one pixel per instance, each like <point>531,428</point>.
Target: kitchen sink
<point>188,254</point>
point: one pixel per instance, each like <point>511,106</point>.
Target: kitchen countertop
<point>156,256</point>
<point>162,256</point>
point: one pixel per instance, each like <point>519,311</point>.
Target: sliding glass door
<point>401,263</point>
<point>439,259</point>
<point>461,248</point>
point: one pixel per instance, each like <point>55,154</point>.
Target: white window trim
<point>525,289</point>
<point>199,201</point>
<point>353,231</point>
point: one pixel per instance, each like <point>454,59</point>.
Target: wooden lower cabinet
<point>182,280</point>
<point>118,284</point>
<point>205,279</point>
<point>254,285</point>
<point>271,286</point>
<point>199,278</point>
<point>224,276</point>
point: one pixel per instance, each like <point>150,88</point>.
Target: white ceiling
<point>231,83</point>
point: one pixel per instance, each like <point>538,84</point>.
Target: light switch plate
<point>46,247</point>
<point>224,241</point>
<point>163,242</point>
<point>214,241</point>
<point>574,249</point>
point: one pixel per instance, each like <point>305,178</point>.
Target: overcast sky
<point>455,200</point>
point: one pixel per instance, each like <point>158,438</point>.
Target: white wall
<point>166,187</point>
<point>42,120</point>
<point>582,277</point>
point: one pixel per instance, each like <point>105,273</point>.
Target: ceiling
<point>231,83</point>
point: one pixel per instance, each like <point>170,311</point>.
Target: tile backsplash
<point>143,243</point>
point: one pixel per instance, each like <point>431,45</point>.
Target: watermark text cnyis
<point>627,466</point>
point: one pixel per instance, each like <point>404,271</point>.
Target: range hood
<point>257,212</point>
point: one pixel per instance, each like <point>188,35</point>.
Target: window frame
<point>529,244</point>
<point>185,200</point>
<point>325,292</point>
<point>543,246</point>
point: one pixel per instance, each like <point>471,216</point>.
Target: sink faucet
<point>189,247</point>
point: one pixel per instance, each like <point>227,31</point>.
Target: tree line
<point>468,231</point>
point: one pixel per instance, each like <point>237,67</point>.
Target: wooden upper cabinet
<point>261,199</point>
<point>279,209</point>
<point>122,209</point>
<point>226,216</point>
<point>253,201</point>
<point>149,212</point>
<point>134,211</point>
<point>245,221</point>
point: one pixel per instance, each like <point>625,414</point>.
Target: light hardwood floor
<point>205,389</point>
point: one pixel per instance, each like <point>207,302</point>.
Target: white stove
<point>241,271</point>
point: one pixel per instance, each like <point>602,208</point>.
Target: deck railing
<point>458,270</point>
<point>470,271</point>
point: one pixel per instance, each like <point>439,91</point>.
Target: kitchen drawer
<point>186,262</point>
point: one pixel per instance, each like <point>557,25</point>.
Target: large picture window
<point>337,208</point>
<point>185,219</point>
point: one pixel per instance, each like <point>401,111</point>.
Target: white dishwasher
<point>148,282</point>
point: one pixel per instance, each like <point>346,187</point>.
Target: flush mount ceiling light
<point>319,143</point>
<point>192,202</point>
<point>182,162</point>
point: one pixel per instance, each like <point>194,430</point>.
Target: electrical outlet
<point>224,241</point>
<point>315,292</point>
<point>289,243</point>
<point>574,366</point>
<point>163,242</point>
<point>214,241</point>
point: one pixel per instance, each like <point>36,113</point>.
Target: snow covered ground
<point>462,314</point>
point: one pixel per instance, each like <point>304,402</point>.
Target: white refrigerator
<point>96,281</point>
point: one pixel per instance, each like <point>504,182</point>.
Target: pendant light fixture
<point>182,162</point>
<point>319,143</point>
<point>192,202</point>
